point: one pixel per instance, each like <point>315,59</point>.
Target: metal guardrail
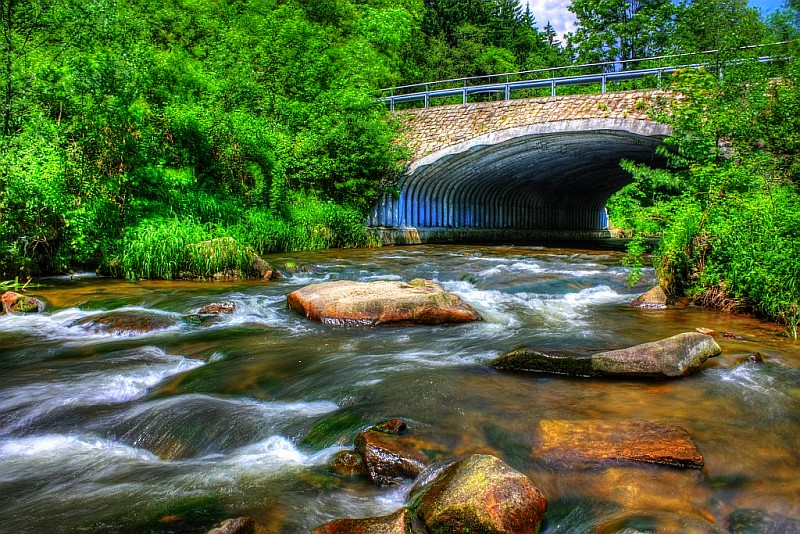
<point>611,71</point>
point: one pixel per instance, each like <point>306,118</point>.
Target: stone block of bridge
<point>428,130</point>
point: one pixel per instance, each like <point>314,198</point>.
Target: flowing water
<point>201,420</point>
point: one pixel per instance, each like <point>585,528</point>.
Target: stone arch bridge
<point>517,170</point>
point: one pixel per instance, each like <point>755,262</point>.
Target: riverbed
<point>200,420</point>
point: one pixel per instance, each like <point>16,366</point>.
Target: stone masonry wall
<point>429,130</point>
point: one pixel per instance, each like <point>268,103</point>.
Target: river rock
<point>673,357</point>
<point>16,303</point>
<point>126,322</point>
<point>655,299</point>
<point>584,443</point>
<point>380,303</point>
<point>676,356</point>
<point>389,457</point>
<point>218,308</point>
<point>399,522</point>
<point>348,464</point>
<point>478,493</point>
<point>238,525</point>
<point>264,270</point>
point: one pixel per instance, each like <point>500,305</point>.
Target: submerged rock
<point>399,522</point>
<point>478,493</point>
<point>751,521</point>
<point>218,308</point>
<point>654,299</point>
<point>380,303</point>
<point>16,303</point>
<point>238,525</point>
<point>584,443</point>
<point>530,360</point>
<point>126,322</point>
<point>673,357</point>
<point>707,331</point>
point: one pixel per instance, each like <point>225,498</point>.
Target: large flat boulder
<point>380,303</point>
<point>478,493</point>
<point>674,357</point>
<point>585,443</point>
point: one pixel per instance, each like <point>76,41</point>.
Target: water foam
<point>127,378</point>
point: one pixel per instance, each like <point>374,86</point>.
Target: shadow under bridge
<point>542,181</point>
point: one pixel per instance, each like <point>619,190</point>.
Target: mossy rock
<point>478,493</point>
<point>530,360</point>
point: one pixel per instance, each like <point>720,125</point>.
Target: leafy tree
<point>717,25</point>
<point>621,30</point>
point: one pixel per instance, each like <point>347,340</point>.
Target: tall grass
<point>175,248</point>
<point>171,248</point>
<point>306,224</point>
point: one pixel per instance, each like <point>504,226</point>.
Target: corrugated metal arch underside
<point>555,176</point>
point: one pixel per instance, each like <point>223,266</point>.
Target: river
<point>176,429</point>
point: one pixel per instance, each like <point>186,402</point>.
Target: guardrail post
<point>427,96</point>
<point>391,103</point>
<point>603,84</point>
<point>553,87</point>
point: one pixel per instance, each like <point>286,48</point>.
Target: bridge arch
<point>541,179</point>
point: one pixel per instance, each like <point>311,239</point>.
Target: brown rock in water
<point>730,335</point>
<point>348,464</point>
<point>655,299</point>
<point>264,270</point>
<point>399,522</point>
<point>128,322</point>
<point>584,443</point>
<point>239,525</point>
<point>16,303</point>
<point>218,308</point>
<point>380,303</point>
<point>478,493</point>
<point>390,458</point>
<point>392,426</point>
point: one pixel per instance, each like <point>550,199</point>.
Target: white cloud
<point>554,11</point>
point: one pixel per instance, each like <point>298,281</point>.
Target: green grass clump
<point>174,248</point>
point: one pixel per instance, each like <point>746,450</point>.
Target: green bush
<point>728,212</point>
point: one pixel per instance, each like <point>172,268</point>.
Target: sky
<point>563,21</point>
